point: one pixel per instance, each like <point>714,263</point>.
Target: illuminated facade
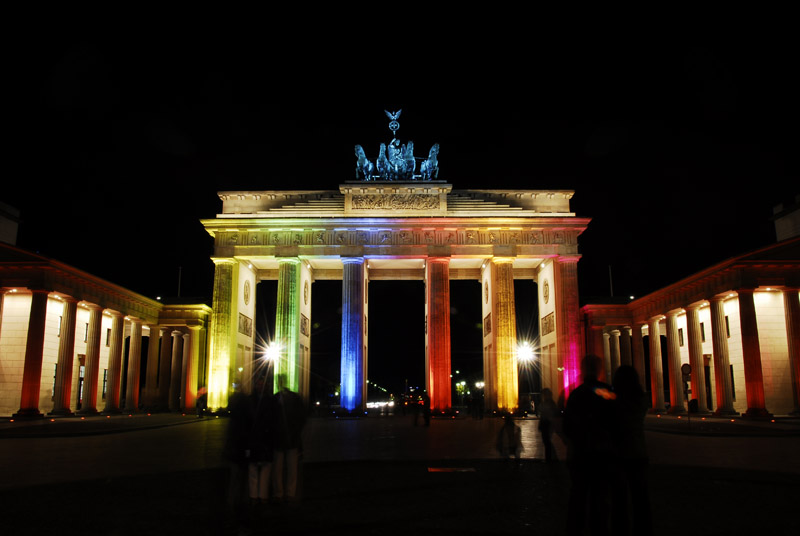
<point>736,324</point>
<point>63,346</point>
<point>375,229</point>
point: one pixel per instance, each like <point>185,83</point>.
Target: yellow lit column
<point>722,366</point>
<point>175,371</point>
<point>506,338</point>
<point>134,367</point>
<point>114,362</point>
<point>164,368</point>
<point>676,397</point>
<point>656,375</point>
<point>696,357</point>
<point>191,357</point>
<point>638,354</point>
<point>222,343</point>
<point>791,306</point>
<point>751,354</point>
<point>66,353</point>
<point>89,404</point>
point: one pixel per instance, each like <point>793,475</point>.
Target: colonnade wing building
<point>374,230</point>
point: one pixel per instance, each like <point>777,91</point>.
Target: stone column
<point>792,311</point>
<point>151,374</point>
<point>134,367</point>
<point>638,354</point>
<point>34,352</point>
<point>696,357</point>
<point>164,368</point>
<point>676,397</point>
<point>191,355</point>
<point>352,394</point>
<point>722,365</point>
<point>437,275</point>
<point>613,344</point>
<point>175,372</point>
<point>568,325</point>
<point>506,338</point>
<point>751,353</point>
<point>656,375</point>
<point>605,372</point>
<point>114,363</point>
<point>625,346</point>
<point>287,322</point>
<point>222,345</point>
<point>66,357</point>
<point>596,341</point>
<point>92,371</point>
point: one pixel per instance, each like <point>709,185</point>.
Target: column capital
<point>224,260</point>
<point>352,260</point>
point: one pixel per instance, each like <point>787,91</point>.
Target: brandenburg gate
<point>396,221</point>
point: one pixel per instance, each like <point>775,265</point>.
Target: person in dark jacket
<point>630,512</point>
<point>548,418</point>
<point>291,413</point>
<point>235,448</point>
<point>261,441</point>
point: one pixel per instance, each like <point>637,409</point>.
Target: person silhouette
<point>288,441</point>
<point>587,426</point>
<point>548,415</point>
<point>261,441</point>
<point>630,508</point>
<point>509,439</point>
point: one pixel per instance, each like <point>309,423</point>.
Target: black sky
<point>677,151</point>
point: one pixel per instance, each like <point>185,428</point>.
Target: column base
<point>676,410</point>
<point>63,412</point>
<point>88,412</point>
<point>724,412</point>
<point>655,411</point>
<point>29,414</point>
<point>757,414</point>
<point>111,412</point>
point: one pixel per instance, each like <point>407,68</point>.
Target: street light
<point>525,353</point>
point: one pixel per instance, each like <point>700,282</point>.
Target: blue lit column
<point>352,376</point>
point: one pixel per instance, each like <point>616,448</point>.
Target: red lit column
<point>438,300</point>
<point>638,354</point>
<point>792,311</point>
<point>89,397</point>
<point>66,353</point>
<point>34,351</point>
<point>722,365</point>
<point>134,367</point>
<point>696,357</point>
<point>751,353</point>
<point>164,369</point>
<point>114,362</point>
<point>676,398</point>
<point>175,372</point>
<point>656,375</point>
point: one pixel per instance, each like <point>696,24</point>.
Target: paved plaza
<point>382,475</point>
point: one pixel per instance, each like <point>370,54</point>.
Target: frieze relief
<point>395,202</point>
<point>396,237</point>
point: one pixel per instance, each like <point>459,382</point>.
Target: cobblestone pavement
<point>163,474</point>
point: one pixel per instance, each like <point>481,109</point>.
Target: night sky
<point>678,152</point>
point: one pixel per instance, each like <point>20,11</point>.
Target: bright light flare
<point>525,352</point>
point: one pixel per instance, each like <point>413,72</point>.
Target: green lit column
<point>287,323</point>
<point>221,345</point>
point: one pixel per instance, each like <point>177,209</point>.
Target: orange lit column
<point>191,353</point>
<point>751,353</point>
<point>638,354</point>
<point>792,311</point>
<point>134,366</point>
<point>66,353</point>
<point>506,339</point>
<point>114,362</point>
<point>151,375</point>
<point>696,358</point>
<point>722,365</point>
<point>656,375</point>
<point>437,275</point>
<point>568,325</point>
<point>164,369</point>
<point>175,372</point>
<point>34,351</point>
<point>676,398</point>
<point>89,398</point>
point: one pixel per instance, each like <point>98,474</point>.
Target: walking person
<point>235,453</point>
<point>548,419</point>
<point>509,440</point>
<point>261,442</point>
<point>291,419</point>
<point>630,513</point>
